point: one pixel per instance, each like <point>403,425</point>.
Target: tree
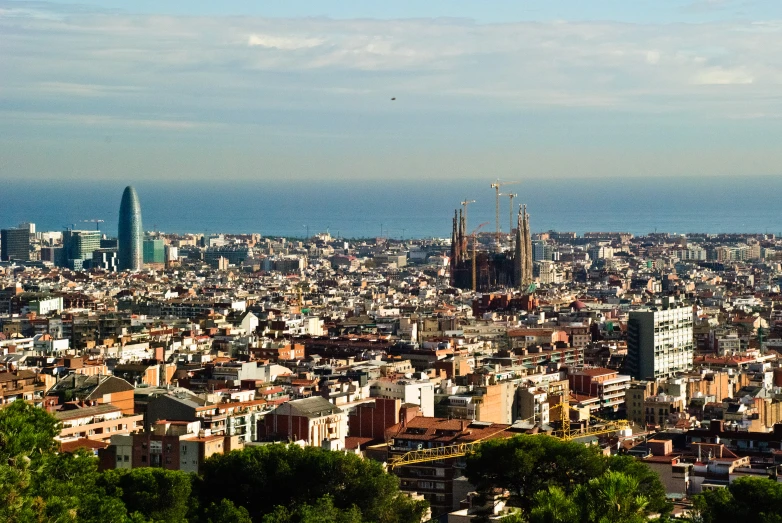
<point>262,479</point>
<point>612,498</point>
<point>226,512</point>
<point>746,499</point>
<point>151,493</point>
<point>553,506</point>
<point>323,511</point>
<point>649,484</point>
<point>26,431</point>
<point>526,464</point>
<point>67,484</point>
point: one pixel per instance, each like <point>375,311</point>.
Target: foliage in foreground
<point>273,484</point>
<point>539,470</point>
<point>746,499</point>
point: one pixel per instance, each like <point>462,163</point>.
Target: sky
<point>302,90</point>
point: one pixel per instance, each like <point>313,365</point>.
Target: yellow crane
<point>462,449</point>
<point>496,185</point>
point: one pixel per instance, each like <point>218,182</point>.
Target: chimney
<point>462,426</point>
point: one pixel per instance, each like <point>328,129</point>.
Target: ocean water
<point>404,208</point>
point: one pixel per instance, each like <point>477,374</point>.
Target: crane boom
<point>462,449</point>
<point>497,185</point>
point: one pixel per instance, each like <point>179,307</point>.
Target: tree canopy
<point>746,499</point>
<point>557,481</point>
<point>272,484</point>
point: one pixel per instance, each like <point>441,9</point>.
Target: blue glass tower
<point>130,255</point>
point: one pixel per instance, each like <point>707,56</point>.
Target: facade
<point>80,245</point>
<point>437,481</point>
<point>97,422</point>
<point>315,421</point>
<point>171,445</point>
<point>14,244</point>
<point>605,384</point>
<point>105,259</point>
<point>23,385</point>
<point>659,342</point>
<point>154,251</point>
<point>417,392</point>
<point>129,234</point>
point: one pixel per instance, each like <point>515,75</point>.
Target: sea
<point>402,209</point>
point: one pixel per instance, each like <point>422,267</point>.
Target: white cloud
<point>720,76</point>
<point>283,42</point>
<point>228,69</point>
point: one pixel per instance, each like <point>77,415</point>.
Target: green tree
<point>526,464</point>
<point>270,476</point>
<point>553,506</point>
<point>151,493</point>
<point>26,431</point>
<point>323,511</point>
<point>612,498</point>
<point>649,484</point>
<point>67,485</point>
<point>746,499</point>
<point>226,512</point>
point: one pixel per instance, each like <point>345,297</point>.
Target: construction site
<point>483,261</point>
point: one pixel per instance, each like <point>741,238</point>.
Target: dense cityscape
<point>419,356</point>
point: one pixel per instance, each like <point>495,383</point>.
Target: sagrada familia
<point>482,270</point>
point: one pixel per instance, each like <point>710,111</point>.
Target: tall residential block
<point>659,341</point>
<point>130,238</point>
<point>15,244</point>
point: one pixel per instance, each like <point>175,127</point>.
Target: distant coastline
<point>406,209</point>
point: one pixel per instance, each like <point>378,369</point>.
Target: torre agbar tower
<point>129,237</point>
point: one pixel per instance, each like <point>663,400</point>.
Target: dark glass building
<point>129,236</point>
<point>15,244</point>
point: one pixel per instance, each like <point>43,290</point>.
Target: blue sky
<point>302,89</point>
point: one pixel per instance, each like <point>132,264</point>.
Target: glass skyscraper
<point>129,236</point>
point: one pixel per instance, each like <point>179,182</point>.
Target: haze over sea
<point>415,209</point>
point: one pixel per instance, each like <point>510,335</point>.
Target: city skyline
<point>189,91</point>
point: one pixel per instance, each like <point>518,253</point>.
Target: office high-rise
<point>79,245</point>
<point>154,251</point>
<point>15,244</point>
<point>129,235</point>
<point>659,342</point>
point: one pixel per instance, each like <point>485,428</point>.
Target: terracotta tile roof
<point>83,443</point>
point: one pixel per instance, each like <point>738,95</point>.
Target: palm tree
<point>611,498</point>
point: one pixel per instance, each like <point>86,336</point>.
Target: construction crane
<point>462,449</point>
<point>511,196</point>
<point>496,185</point>
<point>437,453</point>
<point>474,241</point>
<point>465,203</point>
<point>95,221</point>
